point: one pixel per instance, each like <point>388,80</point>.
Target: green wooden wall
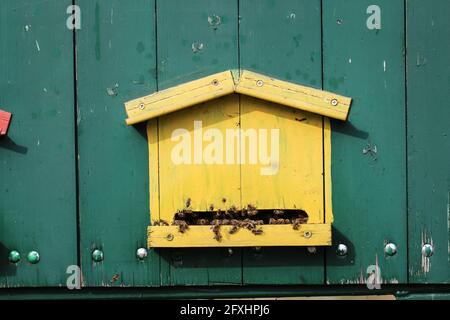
<point>74,177</point>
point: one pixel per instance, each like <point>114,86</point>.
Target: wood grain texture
<point>179,97</point>
<point>291,51</point>
<point>296,181</point>
<point>204,185</point>
<point>293,95</point>
<point>195,41</point>
<point>116,61</point>
<point>428,79</point>
<point>37,160</point>
<point>272,235</point>
<point>368,151</point>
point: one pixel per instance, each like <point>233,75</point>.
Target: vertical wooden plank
<point>203,184</point>
<point>428,80</point>
<point>116,62</point>
<point>368,151</point>
<point>37,167</point>
<point>293,179</point>
<point>282,39</point>
<point>195,40</point>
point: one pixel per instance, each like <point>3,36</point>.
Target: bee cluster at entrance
<point>246,218</point>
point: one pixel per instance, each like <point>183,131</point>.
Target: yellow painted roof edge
<point>237,81</point>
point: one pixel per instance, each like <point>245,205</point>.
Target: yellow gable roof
<point>242,82</point>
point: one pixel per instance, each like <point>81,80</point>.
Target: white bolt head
<point>141,253</point>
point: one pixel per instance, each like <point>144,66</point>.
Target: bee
<point>180,215</point>
<point>233,230</point>
<point>232,210</point>
<point>225,222</point>
<point>251,210</point>
<point>182,225</point>
<point>287,221</point>
<point>297,222</point>
<point>216,230</point>
<point>303,219</point>
<point>278,212</point>
<point>202,222</point>
<point>160,223</point>
<point>235,223</point>
<point>257,231</point>
<point>218,214</point>
<point>272,221</point>
<point>188,202</point>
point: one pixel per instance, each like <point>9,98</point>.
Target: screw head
<point>307,234</point>
<point>215,82</point>
<point>169,237</point>
<point>230,251</point>
<point>141,106</point>
<point>427,250</point>
<point>97,255</point>
<point>341,250</point>
<point>312,250</point>
<point>334,102</point>
<point>33,257</point>
<point>14,256</point>
<point>259,83</point>
<point>390,249</point>
<point>141,253</point>
<point>257,249</point>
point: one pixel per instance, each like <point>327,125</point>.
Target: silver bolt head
<point>341,250</point>
<point>141,253</point>
<point>334,102</point>
<point>312,250</point>
<point>390,249</point>
<point>141,106</point>
<point>427,250</point>
<point>259,83</point>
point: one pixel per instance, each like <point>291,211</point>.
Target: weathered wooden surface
<point>37,159</point>
<point>428,127</point>
<point>379,195</point>
<point>368,152</point>
<point>292,55</point>
<point>113,67</point>
<point>272,235</point>
<point>195,41</point>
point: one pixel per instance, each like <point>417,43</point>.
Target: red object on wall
<point>5,120</point>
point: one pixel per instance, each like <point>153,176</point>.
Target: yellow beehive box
<point>244,147</point>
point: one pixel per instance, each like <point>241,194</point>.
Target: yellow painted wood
<point>153,156</point>
<point>293,95</point>
<point>327,174</point>
<point>273,235</point>
<point>204,184</point>
<point>179,97</point>
<point>244,82</point>
<point>298,182</point>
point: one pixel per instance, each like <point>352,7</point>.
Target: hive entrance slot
<point>247,218</point>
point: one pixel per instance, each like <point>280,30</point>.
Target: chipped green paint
<point>428,140</point>
<point>37,159</point>
<point>368,151</point>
